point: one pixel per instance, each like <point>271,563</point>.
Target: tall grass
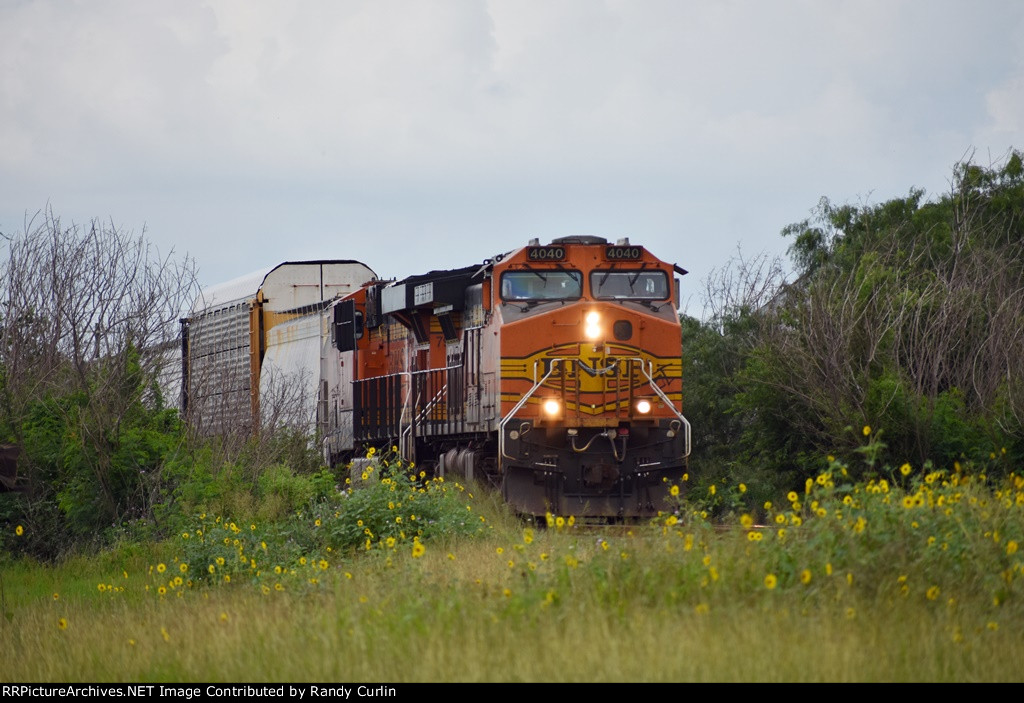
<point>912,577</point>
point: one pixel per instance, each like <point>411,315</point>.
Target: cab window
<point>541,284</point>
<point>636,284</point>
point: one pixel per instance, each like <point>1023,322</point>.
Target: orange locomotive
<point>554,371</point>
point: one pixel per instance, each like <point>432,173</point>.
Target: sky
<point>416,135</point>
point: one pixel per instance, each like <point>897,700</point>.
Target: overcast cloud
<point>418,135</point>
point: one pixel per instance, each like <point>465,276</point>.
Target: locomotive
<point>553,371</point>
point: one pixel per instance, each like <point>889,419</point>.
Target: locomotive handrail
<point>401,432</point>
<point>440,395</point>
<point>521,403</point>
<point>422,415</point>
<point>432,403</point>
<point>414,416</point>
<point>644,364</point>
<point>405,403</point>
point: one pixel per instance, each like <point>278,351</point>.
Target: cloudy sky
<point>424,134</point>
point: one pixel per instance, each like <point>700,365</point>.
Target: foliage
<point>88,317</point>
<point>906,315</point>
<point>393,508</point>
<point>88,481</point>
<point>715,352</point>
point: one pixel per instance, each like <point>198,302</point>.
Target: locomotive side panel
<point>424,389</point>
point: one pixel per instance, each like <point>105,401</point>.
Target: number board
<point>552,253</point>
<point>623,253</point>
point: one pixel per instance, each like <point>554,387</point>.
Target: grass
<point>912,578</point>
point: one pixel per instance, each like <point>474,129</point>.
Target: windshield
<point>629,285</point>
<point>541,284</point>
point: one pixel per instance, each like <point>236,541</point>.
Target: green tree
<point>716,351</point>
<point>906,316</point>
<point>89,331</point>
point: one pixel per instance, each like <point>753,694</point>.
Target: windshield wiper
<point>535,272</point>
<point>635,278</point>
<point>605,277</point>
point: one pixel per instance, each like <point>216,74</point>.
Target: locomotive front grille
<point>597,390</point>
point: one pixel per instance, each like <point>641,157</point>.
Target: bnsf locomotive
<point>553,371</point>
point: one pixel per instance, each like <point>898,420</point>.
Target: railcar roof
<point>237,290</point>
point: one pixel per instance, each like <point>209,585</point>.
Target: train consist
<point>553,371</point>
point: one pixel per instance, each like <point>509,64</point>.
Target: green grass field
<point>912,578</point>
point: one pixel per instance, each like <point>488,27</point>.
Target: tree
<point>88,347</point>
<point>716,349</point>
<point>907,316</point>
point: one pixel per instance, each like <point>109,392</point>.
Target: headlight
<point>592,325</point>
<point>552,407</point>
<point>643,406</point>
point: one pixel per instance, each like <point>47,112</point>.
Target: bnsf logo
<point>623,253</point>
